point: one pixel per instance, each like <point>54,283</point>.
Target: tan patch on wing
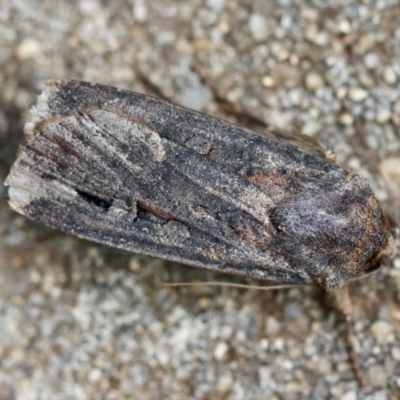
<point>273,184</point>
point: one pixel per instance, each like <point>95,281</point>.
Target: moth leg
<point>344,306</point>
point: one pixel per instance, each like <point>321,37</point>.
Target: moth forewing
<point>137,173</point>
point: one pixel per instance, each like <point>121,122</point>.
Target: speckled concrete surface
<point>81,321</point>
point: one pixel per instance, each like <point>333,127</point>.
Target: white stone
<point>321,38</point>
<point>341,92</point>
<point>314,80</point>
<point>396,107</point>
<point>279,344</point>
<point>264,344</point>
<point>343,26</point>
<point>383,116</point>
<point>396,353</point>
<point>357,94</point>
<point>346,119</point>
<point>258,27</point>
<point>221,350</point>
<point>225,383</point>
<point>27,49</point>
<point>366,42</point>
<point>377,375</point>
<point>390,168</point>
<point>382,330</point>
<point>311,128</point>
<point>296,96</point>
<point>140,11</point>
<point>396,261</point>
<point>351,395</point>
<point>268,81</point>
<point>94,375</point>
<point>235,94</point>
<point>389,76</point>
<point>372,60</point>
<point>197,97</point>
<point>273,326</point>
<point>216,4</point>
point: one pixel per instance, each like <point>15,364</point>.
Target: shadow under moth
<point>140,174</point>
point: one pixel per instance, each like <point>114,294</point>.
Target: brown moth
<point>137,173</point>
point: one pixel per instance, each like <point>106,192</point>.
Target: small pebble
<point>224,384</point>
<point>380,395</point>
<point>396,353</point>
<point>292,387</point>
<point>27,49</point>
<point>140,11</point>
<point>94,375</point>
<point>134,265</point>
<point>280,53</point>
<point>221,350</point>
<point>381,194</point>
<point>383,116</point>
<point>17,354</point>
<point>357,94</point>
<point>311,128</point>
<point>224,27</point>
<point>314,80</point>
<point>343,367</point>
<point>216,4</point>
<point>376,350</point>
<point>264,377</point>
<point>279,344</point>
<point>351,395</point>
<point>264,344</point>
<point>258,28</point>
<point>343,26</point>
<point>235,94</point>
<point>320,38</point>
<point>366,42</point>
<point>382,330</point>
<point>197,97</point>
<point>346,119</point>
<point>268,81</point>
<point>396,261</point>
<point>341,92</point>
<point>389,76</point>
<point>390,167</point>
<point>273,326</point>
<point>396,107</point>
<point>377,376</point>
<point>296,96</point>
<point>372,60</point>
<point>365,78</point>
<point>292,311</point>
<point>205,303</point>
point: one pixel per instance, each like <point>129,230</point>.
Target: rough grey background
<point>80,321</point>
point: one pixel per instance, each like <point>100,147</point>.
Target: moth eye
<point>94,200</point>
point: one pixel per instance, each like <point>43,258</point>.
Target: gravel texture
<point>81,321</point>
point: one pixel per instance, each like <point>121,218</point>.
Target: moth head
<point>387,252</point>
<point>334,229</point>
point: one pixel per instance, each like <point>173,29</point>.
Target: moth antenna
<point>365,275</point>
<point>229,284</point>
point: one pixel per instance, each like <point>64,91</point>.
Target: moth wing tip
<point>41,111</point>
<point>18,199</point>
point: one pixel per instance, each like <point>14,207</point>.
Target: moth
<point>140,174</point>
